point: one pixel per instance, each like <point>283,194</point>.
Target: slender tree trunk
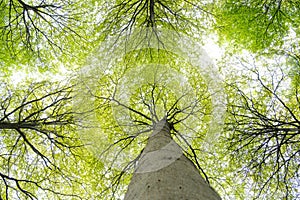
<point>165,173</point>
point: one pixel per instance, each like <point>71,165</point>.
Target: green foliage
<point>256,25</point>
<point>125,16</point>
<point>126,109</point>
<point>47,32</point>
<point>61,140</point>
<point>261,128</point>
<point>41,155</point>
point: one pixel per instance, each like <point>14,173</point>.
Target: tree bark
<point>165,173</point>
<point>17,125</point>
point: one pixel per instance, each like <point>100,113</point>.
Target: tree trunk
<point>165,173</point>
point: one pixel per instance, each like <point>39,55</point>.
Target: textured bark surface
<point>164,173</point>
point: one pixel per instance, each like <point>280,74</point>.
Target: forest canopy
<point>83,83</point>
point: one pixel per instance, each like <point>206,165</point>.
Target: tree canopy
<point>256,25</point>
<point>83,84</point>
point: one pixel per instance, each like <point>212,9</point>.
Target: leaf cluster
<point>256,25</point>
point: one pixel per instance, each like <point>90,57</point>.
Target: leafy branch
<point>30,25</point>
<point>265,133</point>
<point>37,131</point>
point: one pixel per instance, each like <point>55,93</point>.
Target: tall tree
<point>186,96</point>
<point>39,122</point>
<point>163,172</point>
<point>264,125</point>
<point>40,149</point>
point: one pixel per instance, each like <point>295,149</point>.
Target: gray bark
<point>165,173</point>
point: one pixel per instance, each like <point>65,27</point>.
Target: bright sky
<point>212,49</point>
